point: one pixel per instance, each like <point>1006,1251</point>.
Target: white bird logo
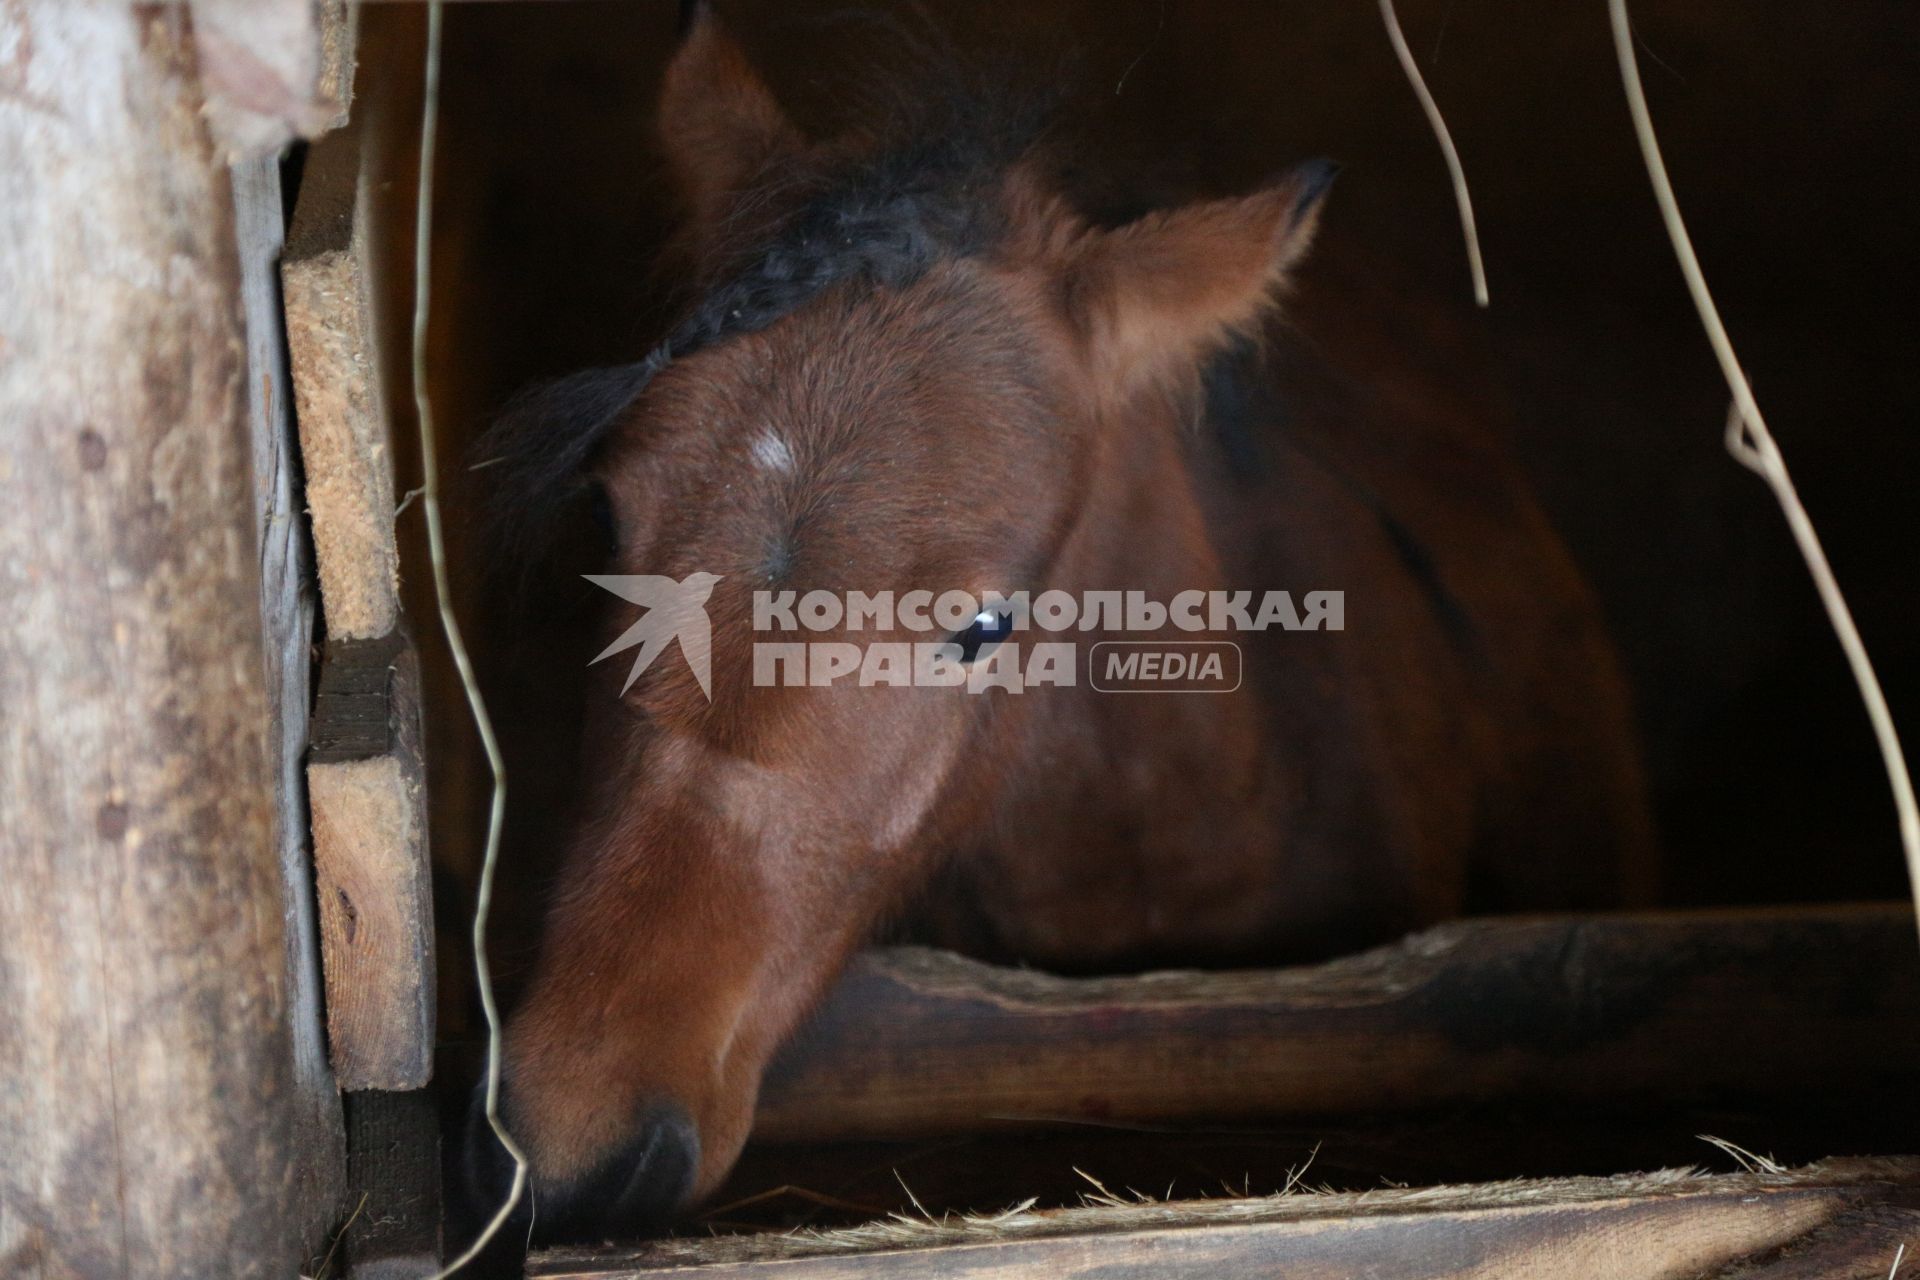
<point>673,609</point>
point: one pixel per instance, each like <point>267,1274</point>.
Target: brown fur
<point>1023,419</point>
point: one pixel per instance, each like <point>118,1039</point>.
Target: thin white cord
<point>1752,444</point>
<point>443,594</point>
<point>1440,133</point>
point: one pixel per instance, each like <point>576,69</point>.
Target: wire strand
<point>1752,444</point>
<point>450,625</point>
<point>1455,169</point>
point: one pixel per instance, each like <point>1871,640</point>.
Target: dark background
<point>1789,130</point>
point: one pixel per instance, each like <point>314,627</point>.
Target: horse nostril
<point>633,1191</point>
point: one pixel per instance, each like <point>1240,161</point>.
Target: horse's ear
<point>718,121</point>
<point>1152,299</point>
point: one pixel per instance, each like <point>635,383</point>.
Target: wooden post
<point>150,1099</point>
<point>286,613</point>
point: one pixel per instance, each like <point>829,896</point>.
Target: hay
<point>1746,1159</point>
<point>1108,1212</point>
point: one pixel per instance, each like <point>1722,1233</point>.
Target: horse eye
<point>988,628</point>
<point>606,526</point>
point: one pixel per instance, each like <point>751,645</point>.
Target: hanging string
<point>1455,170</point>
<point>1752,444</point>
<point>450,625</point>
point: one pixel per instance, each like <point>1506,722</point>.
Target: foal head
<point>911,366</point>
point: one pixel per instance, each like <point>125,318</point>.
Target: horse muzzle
<point>633,1191</point>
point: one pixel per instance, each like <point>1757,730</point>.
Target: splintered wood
<point>371,874</point>
<point>365,773</point>
<point>342,407</point>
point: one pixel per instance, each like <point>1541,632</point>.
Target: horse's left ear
<point>1150,300</point>
<point>719,123</point>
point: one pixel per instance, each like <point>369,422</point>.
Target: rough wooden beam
<point>341,403</point>
<point>147,1069</point>
<point>286,611</point>
<point>1845,1218</point>
<point>366,779</point>
<point>1611,1009</point>
<point>371,872</point>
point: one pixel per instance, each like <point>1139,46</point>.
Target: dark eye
<point>606,528</point>
<point>988,628</point>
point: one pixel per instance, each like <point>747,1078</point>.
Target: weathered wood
<point>393,1154</point>
<point>1611,1009</point>
<point>341,402</point>
<point>1845,1218</point>
<point>286,613</point>
<point>353,708</point>
<point>147,1067</point>
<point>274,70</point>
<point>832,1184</point>
<point>366,779</point>
<point>374,887</point>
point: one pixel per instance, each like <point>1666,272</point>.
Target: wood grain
<point>340,398</point>
<point>373,884</point>
<point>1845,1218</point>
<point>286,612</point>
<point>366,777</point>
<point>1625,1009</point>
<point>148,1081</point>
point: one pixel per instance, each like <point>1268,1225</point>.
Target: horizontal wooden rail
<point>1845,1218</point>
<point>1668,1008</point>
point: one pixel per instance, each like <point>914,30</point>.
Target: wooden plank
<point>1615,1009</point>
<point>286,612</point>
<point>340,399</point>
<point>373,882</point>
<point>394,1179</point>
<point>366,778</point>
<point>1844,1218</point>
<point>147,1071</point>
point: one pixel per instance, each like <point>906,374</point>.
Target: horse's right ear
<point>1151,300</point>
<point>719,124</point>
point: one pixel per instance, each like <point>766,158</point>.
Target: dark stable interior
<point>1786,134</point>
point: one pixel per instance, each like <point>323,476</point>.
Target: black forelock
<point>882,220</point>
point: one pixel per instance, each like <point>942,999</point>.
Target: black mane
<point>881,220</point>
